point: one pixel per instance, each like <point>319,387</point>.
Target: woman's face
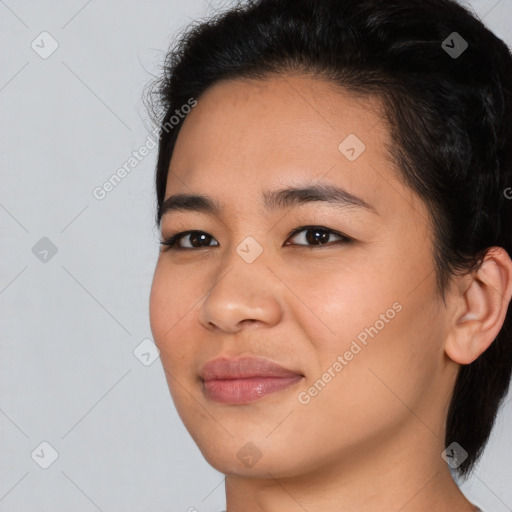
<point>356,320</point>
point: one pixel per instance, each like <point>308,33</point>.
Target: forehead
<point>287,113</point>
<point>248,135</point>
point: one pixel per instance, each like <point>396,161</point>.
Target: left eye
<point>314,235</point>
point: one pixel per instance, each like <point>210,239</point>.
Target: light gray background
<point>70,324</point>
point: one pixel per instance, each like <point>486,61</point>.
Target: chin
<point>255,459</point>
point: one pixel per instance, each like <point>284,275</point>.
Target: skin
<point>372,438</point>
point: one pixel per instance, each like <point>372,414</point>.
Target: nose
<point>244,294</point>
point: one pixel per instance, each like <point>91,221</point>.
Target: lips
<point>243,380</point>
<point>243,368</point>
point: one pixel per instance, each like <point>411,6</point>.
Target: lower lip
<point>241,391</point>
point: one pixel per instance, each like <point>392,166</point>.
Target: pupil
<point>198,237</point>
<point>323,238</point>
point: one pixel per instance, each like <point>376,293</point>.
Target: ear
<point>480,306</point>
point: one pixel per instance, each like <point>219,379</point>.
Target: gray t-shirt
<point>476,509</point>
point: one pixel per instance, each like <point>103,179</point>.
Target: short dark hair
<point>450,119</point>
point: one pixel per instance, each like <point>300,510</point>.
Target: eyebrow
<point>272,200</point>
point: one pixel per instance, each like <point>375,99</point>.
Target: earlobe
<point>480,308</point>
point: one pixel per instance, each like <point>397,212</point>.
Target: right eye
<point>195,239</point>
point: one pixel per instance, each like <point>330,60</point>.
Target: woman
<point>331,301</point>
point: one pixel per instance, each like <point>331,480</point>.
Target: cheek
<point>168,320</point>
<point>342,303</point>
<point>377,383</point>
<point>171,303</point>
<point>160,307</point>
<point>382,318</point>
<point>170,317</point>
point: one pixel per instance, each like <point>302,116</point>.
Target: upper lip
<point>243,368</point>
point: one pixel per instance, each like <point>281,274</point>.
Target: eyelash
<point>170,243</point>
